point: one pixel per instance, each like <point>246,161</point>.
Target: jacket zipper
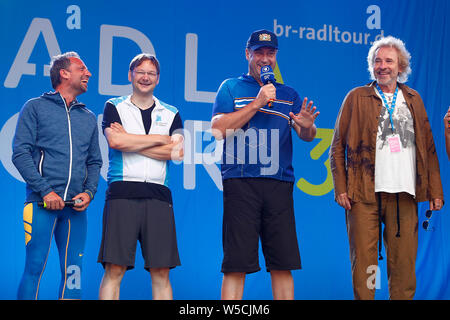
<point>70,148</point>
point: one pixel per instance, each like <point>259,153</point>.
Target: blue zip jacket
<point>55,149</point>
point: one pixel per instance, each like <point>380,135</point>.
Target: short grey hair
<point>404,56</point>
<point>60,61</point>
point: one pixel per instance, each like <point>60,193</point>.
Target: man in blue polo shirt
<point>256,119</point>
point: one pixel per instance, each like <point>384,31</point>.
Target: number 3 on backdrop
<point>326,135</point>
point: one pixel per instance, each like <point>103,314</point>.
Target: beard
<point>80,87</point>
<point>386,80</point>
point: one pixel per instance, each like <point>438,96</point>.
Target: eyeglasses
<point>143,73</point>
<point>426,223</point>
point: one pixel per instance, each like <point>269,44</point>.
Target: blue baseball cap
<point>262,38</point>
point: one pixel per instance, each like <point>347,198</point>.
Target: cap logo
<point>264,37</point>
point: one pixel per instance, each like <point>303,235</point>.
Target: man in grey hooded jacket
<point>56,150</point>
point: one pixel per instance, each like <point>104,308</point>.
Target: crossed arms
<point>155,146</point>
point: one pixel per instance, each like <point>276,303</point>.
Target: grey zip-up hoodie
<point>56,148</point>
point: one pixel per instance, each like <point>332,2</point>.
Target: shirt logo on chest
<point>159,121</point>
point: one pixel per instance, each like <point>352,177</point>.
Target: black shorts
<point>151,221</point>
<point>258,208</point>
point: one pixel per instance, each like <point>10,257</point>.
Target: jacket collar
<point>57,98</point>
<point>156,100</point>
<point>369,89</point>
<point>158,104</point>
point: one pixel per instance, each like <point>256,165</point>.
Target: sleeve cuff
<point>46,192</point>
<point>89,193</point>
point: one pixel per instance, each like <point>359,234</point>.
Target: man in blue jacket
<point>56,151</point>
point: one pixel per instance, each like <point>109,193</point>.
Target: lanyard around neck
<point>389,108</point>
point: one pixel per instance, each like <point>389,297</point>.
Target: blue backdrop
<point>323,50</point>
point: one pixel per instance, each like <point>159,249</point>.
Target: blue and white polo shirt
<point>263,148</point>
<point>130,174</point>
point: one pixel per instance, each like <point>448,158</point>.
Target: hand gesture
<point>307,115</point>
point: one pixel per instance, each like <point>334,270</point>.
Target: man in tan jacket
<point>447,132</point>
<point>384,161</point>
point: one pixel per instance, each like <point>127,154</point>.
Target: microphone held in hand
<point>69,203</point>
<point>267,76</point>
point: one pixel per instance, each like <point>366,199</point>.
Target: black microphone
<point>267,76</point>
<point>69,203</point>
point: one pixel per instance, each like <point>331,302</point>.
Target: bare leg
<point>282,285</point>
<point>233,285</point>
<point>161,287</point>
<point>110,286</point>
